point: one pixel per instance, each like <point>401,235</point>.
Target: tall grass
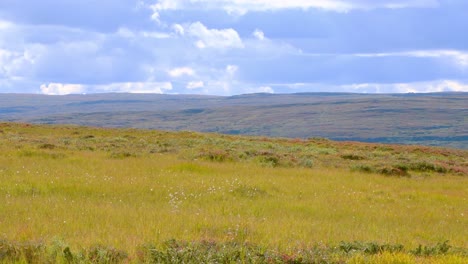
<point>82,193</point>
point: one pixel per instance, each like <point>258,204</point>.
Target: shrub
<point>393,171</point>
<point>427,167</point>
<point>268,158</point>
<point>30,252</point>
<point>215,155</point>
<point>47,146</point>
<point>306,163</point>
<point>213,252</point>
<point>102,254</point>
<point>362,168</point>
<point>352,157</point>
<point>369,247</point>
<point>122,155</point>
<point>438,249</point>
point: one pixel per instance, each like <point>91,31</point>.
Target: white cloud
<point>4,25</point>
<point>240,7</point>
<point>125,87</point>
<point>154,34</point>
<point>127,33</point>
<point>406,4</point>
<point>5,57</point>
<point>15,64</point>
<point>457,56</point>
<point>195,85</point>
<point>262,5</point>
<point>135,87</point>
<point>258,34</point>
<point>263,89</point>
<point>214,38</point>
<point>162,5</point>
<point>415,87</point>
<point>266,89</point>
<point>179,29</point>
<point>62,89</point>
<point>133,56</point>
<point>218,81</point>
<point>431,87</point>
<point>178,72</point>
<point>231,69</point>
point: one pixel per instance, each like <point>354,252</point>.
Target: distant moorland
<point>437,119</point>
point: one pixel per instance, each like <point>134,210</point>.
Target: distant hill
<point>436,119</point>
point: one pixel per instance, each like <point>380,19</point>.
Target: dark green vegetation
<point>439,119</point>
<point>174,251</point>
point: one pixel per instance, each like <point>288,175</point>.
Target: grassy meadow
<point>73,194</point>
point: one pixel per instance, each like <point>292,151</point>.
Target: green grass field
<point>126,194</point>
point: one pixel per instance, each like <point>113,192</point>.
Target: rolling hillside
<point>72,194</point>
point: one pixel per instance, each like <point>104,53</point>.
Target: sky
<point>230,47</point>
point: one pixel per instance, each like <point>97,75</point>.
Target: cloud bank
<point>231,47</point>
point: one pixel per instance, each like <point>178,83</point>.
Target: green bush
<point>370,247</point>
<point>438,249</point>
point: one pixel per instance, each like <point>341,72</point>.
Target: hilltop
<point>437,119</point>
<point>396,160</point>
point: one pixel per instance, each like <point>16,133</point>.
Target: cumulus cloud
<point>218,81</point>
<point>16,64</point>
<point>214,38</point>
<point>163,5</point>
<point>179,29</point>
<point>62,89</point>
<point>195,85</point>
<point>258,34</point>
<point>5,57</point>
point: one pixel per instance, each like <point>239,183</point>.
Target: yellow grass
<point>85,197</point>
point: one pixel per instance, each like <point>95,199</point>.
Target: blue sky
<point>229,47</point>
